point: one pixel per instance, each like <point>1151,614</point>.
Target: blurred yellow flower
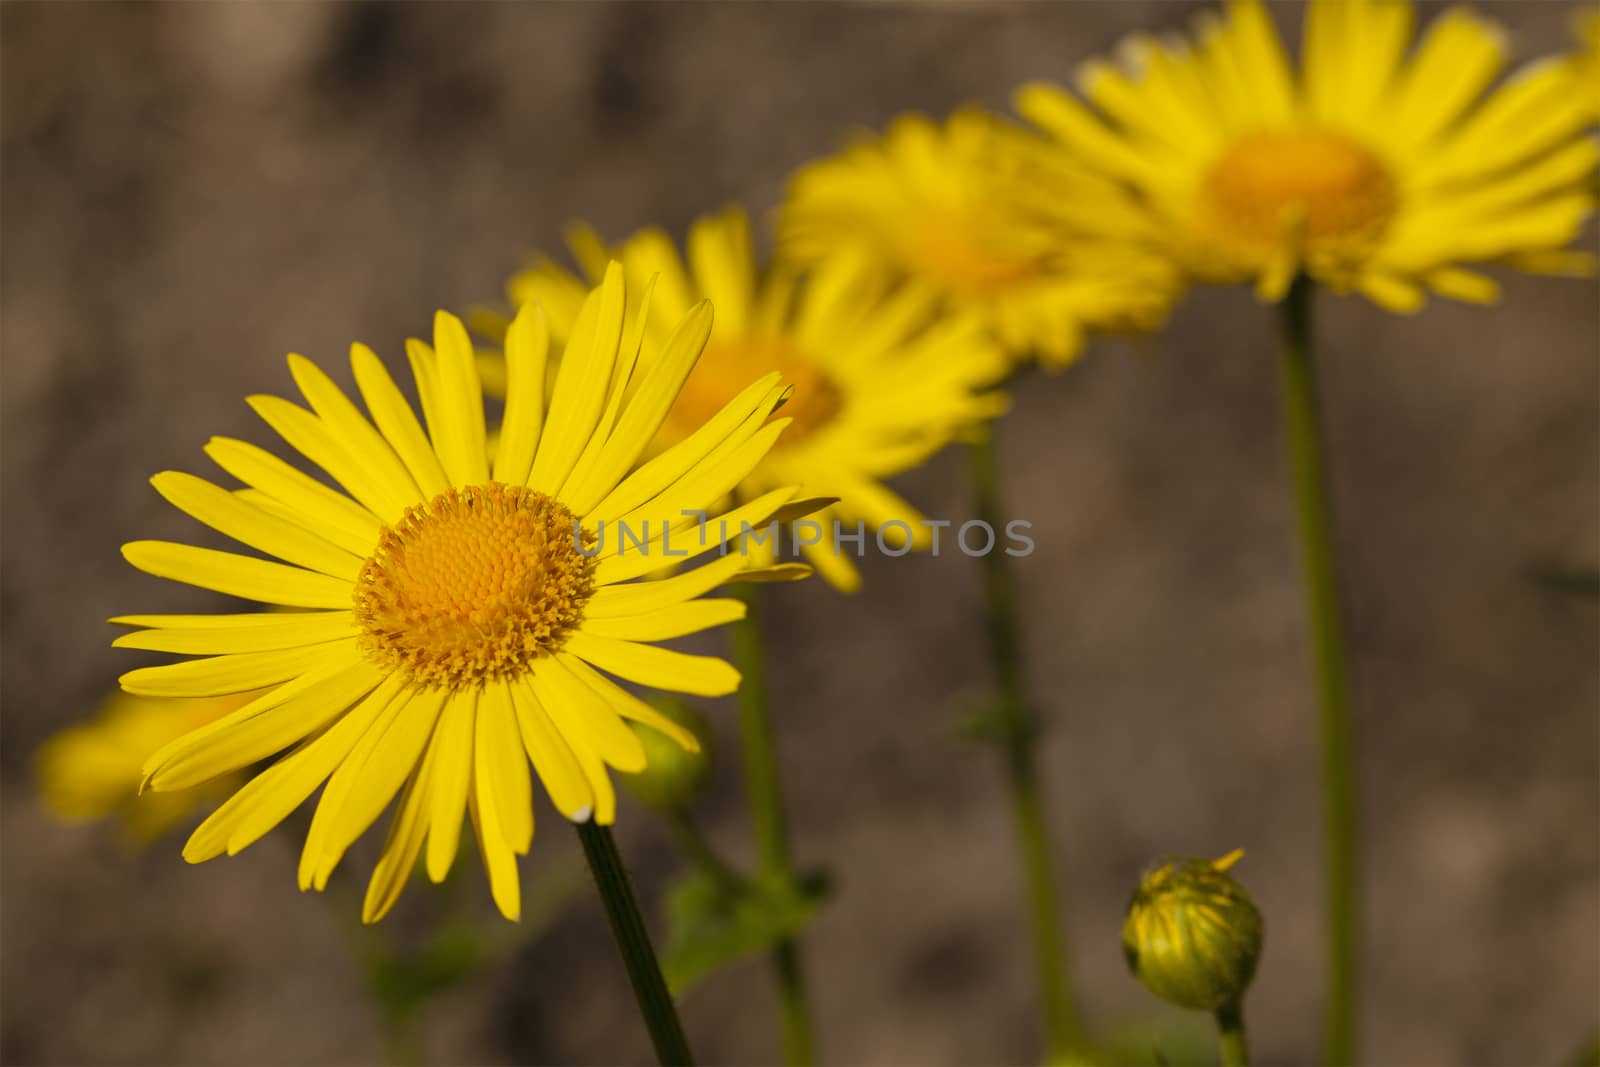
<point>881,379</point>
<point>1368,170</point>
<point>940,205</point>
<point>451,618</point>
<point>91,770</point>
<point>1586,63</point>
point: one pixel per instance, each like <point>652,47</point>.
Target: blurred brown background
<point>192,190</point>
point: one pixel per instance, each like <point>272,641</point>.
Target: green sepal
<point>714,919</point>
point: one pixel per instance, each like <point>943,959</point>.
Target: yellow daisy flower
<point>1368,169</point>
<point>941,205</point>
<point>881,380</point>
<point>451,617</point>
<point>91,771</point>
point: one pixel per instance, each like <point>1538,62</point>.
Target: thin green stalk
<point>1303,430</point>
<point>1231,1035</point>
<point>699,850</point>
<point>649,987</point>
<point>1018,734</point>
<point>766,814</point>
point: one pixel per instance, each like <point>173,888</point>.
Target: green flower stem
<point>1304,433</point>
<point>1230,1033</point>
<point>699,850</point>
<point>766,813</point>
<point>649,987</point>
<point>1018,733</point>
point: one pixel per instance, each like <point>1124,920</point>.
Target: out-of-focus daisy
<point>451,618</point>
<point>940,205</point>
<point>1586,64</point>
<point>1368,169</point>
<point>881,380</point>
<point>92,770</point>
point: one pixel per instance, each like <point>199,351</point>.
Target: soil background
<point>189,191</point>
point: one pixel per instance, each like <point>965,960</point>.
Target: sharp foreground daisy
<point>1368,170</point>
<point>451,613</point>
<point>881,380</point>
<point>939,205</point>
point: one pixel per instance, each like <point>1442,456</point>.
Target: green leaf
<point>712,920</point>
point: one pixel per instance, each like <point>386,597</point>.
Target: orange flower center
<point>475,584</point>
<point>968,253</point>
<point>726,368</point>
<point>1310,184</point>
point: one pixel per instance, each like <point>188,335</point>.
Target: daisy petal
<point>350,428</point>
<point>583,717</point>
<point>220,675</point>
<point>582,384</point>
<point>269,797</point>
<point>552,757</point>
<point>1457,59</point>
<point>269,634</point>
<point>459,433</point>
<point>709,482</point>
<point>335,516</point>
<point>631,707</point>
<point>224,512</point>
<point>425,372</point>
<point>720,258</point>
<point>621,385</point>
<point>527,348</point>
<point>309,436</point>
<point>402,847</point>
<point>261,728</point>
<point>248,620</point>
<point>747,530</point>
<point>502,767</point>
<point>644,414</point>
<point>835,567</point>
<point>667,623</point>
<point>648,482</point>
<point>397,422</point>
<point>452,779</point>
<point>638,598</point>
<point>658,668</point>
<point>499,862</point>
<point>367,780</point>
<point>240,576</point>
<point>570,727</point>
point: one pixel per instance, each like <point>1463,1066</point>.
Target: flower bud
<point>672,774</point>
<point>1193,935</point>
